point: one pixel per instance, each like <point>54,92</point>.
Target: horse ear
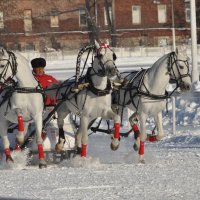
<point>184,49</point>
<point>107,41</point>
<point>96,44</point>
<point>1,51</point>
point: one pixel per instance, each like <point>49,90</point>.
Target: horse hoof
<point>9,159</point>
<point>42,164</point>
<point>142,161</point>
<point>114,147</point>
<point>78,151</point>
<point>135,147</point>
<point>60,145</point>
<point>58,149</point>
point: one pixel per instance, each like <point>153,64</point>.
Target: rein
<point>173,60</point>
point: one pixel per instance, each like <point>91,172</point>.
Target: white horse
<point>19,100</point>
<point>145,93</point>
<point>91,102</point>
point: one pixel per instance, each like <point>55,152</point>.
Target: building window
<point>105,16</point>
<point>82,18</point>
<point>136,14</point>
<point>162,14</point>
<point>1,20</point>
<point>54,20</point>
<point>187,13</point>
<point>27,20</point>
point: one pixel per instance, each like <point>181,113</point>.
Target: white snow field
<point>171,171</point>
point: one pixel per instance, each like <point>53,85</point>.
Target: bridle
<point>10,62</point>
<point>173,61</point>
<point>102,72</point>
<point>95,54</point>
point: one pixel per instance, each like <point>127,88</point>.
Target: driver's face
<point>39,70</point>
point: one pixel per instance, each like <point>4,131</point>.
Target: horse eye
<point>114,57</point>
<point>99,56</point>
<point>1,66</point>
<point>181,67</point>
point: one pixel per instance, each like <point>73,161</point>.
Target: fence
<point>121,52</point>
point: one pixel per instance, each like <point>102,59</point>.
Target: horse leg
<point>143,136</point>
<point>6,143</point>
<point>112,115</point>
<point>159,136</point>
<point>20,134</point>
<point>17,145</point>
<point>159,125</point>
<point>38,128</point>
<point>61,140</point>
<point>82,136</point>
<point>134,124</point>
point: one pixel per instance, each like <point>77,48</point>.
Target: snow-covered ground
<point>171,171</point>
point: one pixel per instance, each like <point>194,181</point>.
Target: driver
<point>38,65</point>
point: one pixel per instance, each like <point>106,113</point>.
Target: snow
<point>171,170</point>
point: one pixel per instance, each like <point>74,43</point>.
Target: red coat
<point>45,81</point>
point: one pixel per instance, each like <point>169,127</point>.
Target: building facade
<point>63,24</point>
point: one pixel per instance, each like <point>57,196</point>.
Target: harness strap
<point>93,89</point>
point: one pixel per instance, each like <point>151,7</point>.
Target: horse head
<point>8,65</point>
<point>104,60</point>
<point>178,68</point>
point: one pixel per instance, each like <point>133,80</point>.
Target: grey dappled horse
<point>19,100</point>
<point>91,102</point>
<point>145,93</point>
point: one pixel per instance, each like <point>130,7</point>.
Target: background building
<point>66,24</point>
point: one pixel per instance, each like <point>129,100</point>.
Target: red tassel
<point>141,150</point>
<point>7,152</point>
<point>40,151</point>
<point>20,124</point>
<point>83,150</point>
<point>117,128</point>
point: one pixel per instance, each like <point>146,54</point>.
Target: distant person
<point>38,65</point>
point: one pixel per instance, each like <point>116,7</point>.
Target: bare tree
<point>111,22</point>
<point>93,28</point>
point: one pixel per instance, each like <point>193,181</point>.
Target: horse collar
<point>93,89</point>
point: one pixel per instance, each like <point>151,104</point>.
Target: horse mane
<point>158,63</point>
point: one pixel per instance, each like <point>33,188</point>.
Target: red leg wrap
<point>117,133</point>
<point>136,131</point>
<point>7,152</point>
<point>83,150</point>
<point>20,124</point>
<point>152,138</point>
<point>135,127</point>
<point>141,150</point>
<point>40,151</point>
